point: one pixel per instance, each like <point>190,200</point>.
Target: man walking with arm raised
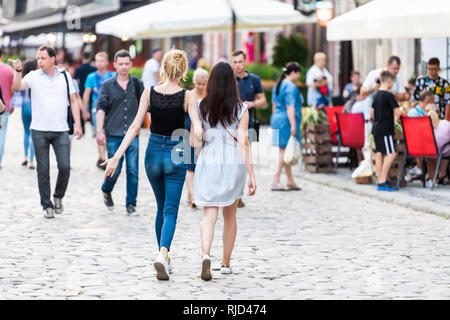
<point>52,92</point>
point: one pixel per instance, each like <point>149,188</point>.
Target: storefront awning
<point>387,19</point>
<point>170,18</point>
<point>82,12</point>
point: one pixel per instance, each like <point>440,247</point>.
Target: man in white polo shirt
<point>50,94</point>
<point>372,82</point>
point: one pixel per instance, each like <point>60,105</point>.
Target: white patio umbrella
<point>170,18</point>
<point>386,19</point>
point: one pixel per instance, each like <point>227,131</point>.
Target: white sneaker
<point>408,177</point>
<point>162,267</point>
<point>429,183</point>
<point>416,171</point>
<point>206,268</point>
<point>49,213</point>
<point>224,269</point>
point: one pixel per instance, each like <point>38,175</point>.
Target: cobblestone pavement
<point>320,243</point>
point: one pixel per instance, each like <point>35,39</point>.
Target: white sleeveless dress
<point>220,172</point>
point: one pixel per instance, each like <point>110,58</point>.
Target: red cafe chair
<point>420,142</point>
<point>331,115</point>
<point>350,132</point>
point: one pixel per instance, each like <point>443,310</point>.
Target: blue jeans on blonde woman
<point>27,141</point>
<point>166,172</point>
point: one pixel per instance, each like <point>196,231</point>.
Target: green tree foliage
<point>292,48</point>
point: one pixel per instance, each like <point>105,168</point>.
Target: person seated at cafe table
<point>426,98</point>
<point>442,134</point>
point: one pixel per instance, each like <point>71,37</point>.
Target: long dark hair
<point>290,67</point>
<point>221,102</point>
<point>29,66</point>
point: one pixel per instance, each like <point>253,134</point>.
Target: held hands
<point>86,115</point>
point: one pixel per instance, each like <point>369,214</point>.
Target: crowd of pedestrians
<point>199,138</point>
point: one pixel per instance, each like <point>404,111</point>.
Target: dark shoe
<point>131,210</point>
<point>191,205</point>
<point>107,198</point>
<point>24,164</point>
<point>99,164</point>
<point>58,205</point>
<point>241,204</point>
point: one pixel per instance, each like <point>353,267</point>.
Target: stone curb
<point>314,178</point>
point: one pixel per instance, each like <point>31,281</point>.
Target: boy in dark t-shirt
<point>385,112</point>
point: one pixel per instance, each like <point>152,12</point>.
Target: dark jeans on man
<point>132,158</point>
<point>61,145</point>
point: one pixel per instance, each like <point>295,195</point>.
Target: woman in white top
<point>223,163</point>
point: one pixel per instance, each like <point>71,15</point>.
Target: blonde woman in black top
<point>167,104</point>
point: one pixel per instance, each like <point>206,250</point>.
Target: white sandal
<point>278,187</point>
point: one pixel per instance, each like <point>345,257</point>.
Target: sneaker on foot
<point>416,171</point>
<point>48,213</point>
<point>429,183</point>
<point>131,210</point>
<point>58,205</point>
<point>107,199</point>
<point>99,164</point>
<point>206,268</point>
<point>162,267</point>
<point>386,187</point>
<point>225,269</point>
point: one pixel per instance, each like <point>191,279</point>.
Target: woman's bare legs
<point>190,187</point>
<point>277,176</point>
<point>229,232</point>
<point>207,227</point>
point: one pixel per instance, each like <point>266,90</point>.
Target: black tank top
<point>167,112</point>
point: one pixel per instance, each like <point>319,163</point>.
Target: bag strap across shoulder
<point>67,85</point>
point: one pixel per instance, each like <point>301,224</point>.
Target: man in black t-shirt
<point>385,112</point>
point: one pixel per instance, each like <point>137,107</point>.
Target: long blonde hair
<point>432,111</point>
<point>174,65</point>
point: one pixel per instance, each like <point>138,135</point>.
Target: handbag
<point>293,152</point>
<point>256,125</point>
<point>70,120</point>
